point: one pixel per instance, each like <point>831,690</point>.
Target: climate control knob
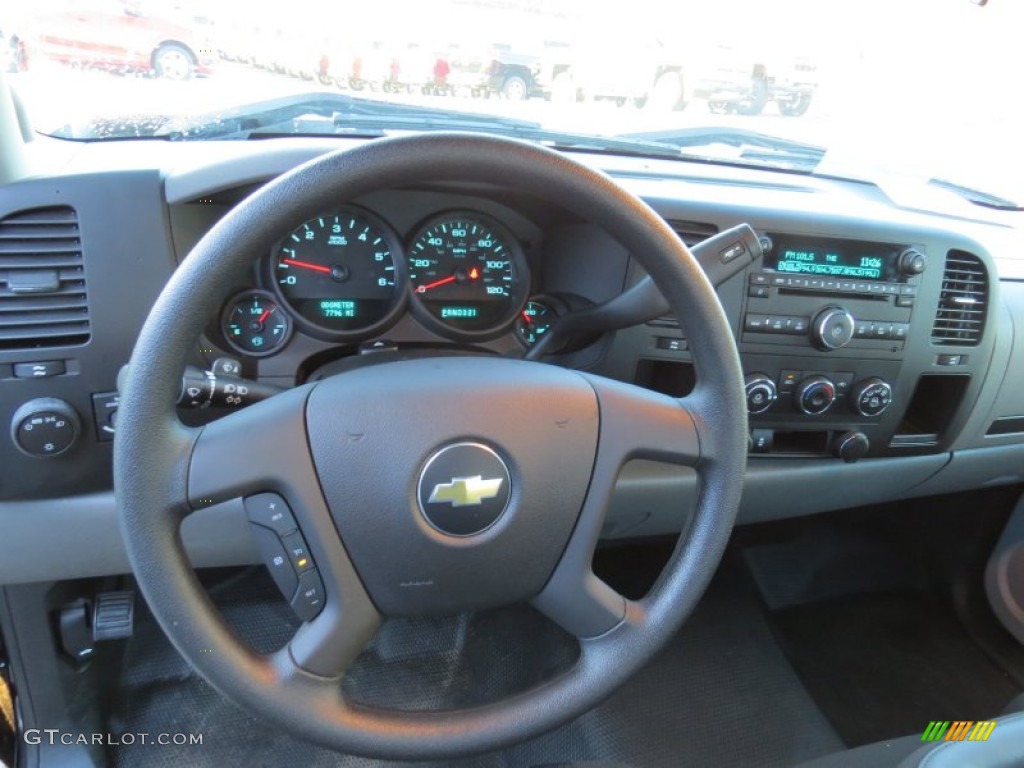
<point>832,328</point>
<point>815,395</point>
<point>761,392</point>
<point>870,397</point>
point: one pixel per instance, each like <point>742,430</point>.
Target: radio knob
<point>871,397</point>
<point>815,395</point>
<point>832,328</point>
<point>761,392</point>
<point>912,262</point>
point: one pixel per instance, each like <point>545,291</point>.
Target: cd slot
<point>830,293</point>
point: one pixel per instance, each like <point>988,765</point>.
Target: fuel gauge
<point>534,321</point>
<point>255,325</point>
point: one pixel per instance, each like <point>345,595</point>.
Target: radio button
<point>881,330</point>
<point>759,291</point>
<point>847,285</point>
<point>904,301</point>
<point>759,278</point>
<point>798,282</point>
<point>776,324</point>
<point>814,283</point>
<point>908,290</point>
<point>756,323</point>
<point>898,331</point>
<point>863,287</point>
<point>829,285</point>
<point>780,281</point>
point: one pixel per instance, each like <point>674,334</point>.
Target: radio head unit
<point>830,257</point>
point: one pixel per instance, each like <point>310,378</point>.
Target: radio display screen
<point>851,259</point>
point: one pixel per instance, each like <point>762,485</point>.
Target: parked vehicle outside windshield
<point>916,87</point>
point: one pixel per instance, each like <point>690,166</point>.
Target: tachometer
<point>468,275</point>
<point>340,275</point>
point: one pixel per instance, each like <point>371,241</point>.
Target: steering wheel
<point>367,459</point>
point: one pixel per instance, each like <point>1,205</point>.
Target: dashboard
<point>876,336</point>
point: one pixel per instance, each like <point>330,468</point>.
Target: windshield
<point>924,88</point>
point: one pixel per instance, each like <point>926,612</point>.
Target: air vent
<point>42,280</point>
<point>690,233</point>
<point>960,319</point>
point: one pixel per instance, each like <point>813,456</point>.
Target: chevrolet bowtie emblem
<point>465,491</point>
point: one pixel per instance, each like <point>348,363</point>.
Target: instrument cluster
<point>347,275</point>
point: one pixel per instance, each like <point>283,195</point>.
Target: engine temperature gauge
<point>255,325</point>
<point>534,321</point>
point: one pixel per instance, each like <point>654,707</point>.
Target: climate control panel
<point>814,394</point>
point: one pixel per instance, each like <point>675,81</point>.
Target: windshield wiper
<point>753,148</point>
<point>976,196</point>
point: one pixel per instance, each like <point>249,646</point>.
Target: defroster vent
<point>963,304</point>
<point>43,300</point>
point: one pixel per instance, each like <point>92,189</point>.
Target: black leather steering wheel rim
<point>156,465</point>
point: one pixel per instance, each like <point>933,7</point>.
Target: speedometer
<point>340,274</point>
<point>468,275</point>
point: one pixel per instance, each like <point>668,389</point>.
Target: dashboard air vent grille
<point>42,280</point>
<point>691,233</point>
<point>960,319</point>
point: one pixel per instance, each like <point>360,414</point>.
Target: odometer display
<point>339,274</point>
<point>467,274</point>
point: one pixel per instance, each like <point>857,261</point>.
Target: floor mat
<point>884,665</point>
<point>722,693</point>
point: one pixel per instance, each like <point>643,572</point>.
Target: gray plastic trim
<point>976,468</point>
<point>649,495</point>
<point>79,536</point>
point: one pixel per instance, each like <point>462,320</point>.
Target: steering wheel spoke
<point>638,423</point>
<point>259,448</point>
<point>264,449</point>
<point>326,646</point>
<point>635,424</point>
